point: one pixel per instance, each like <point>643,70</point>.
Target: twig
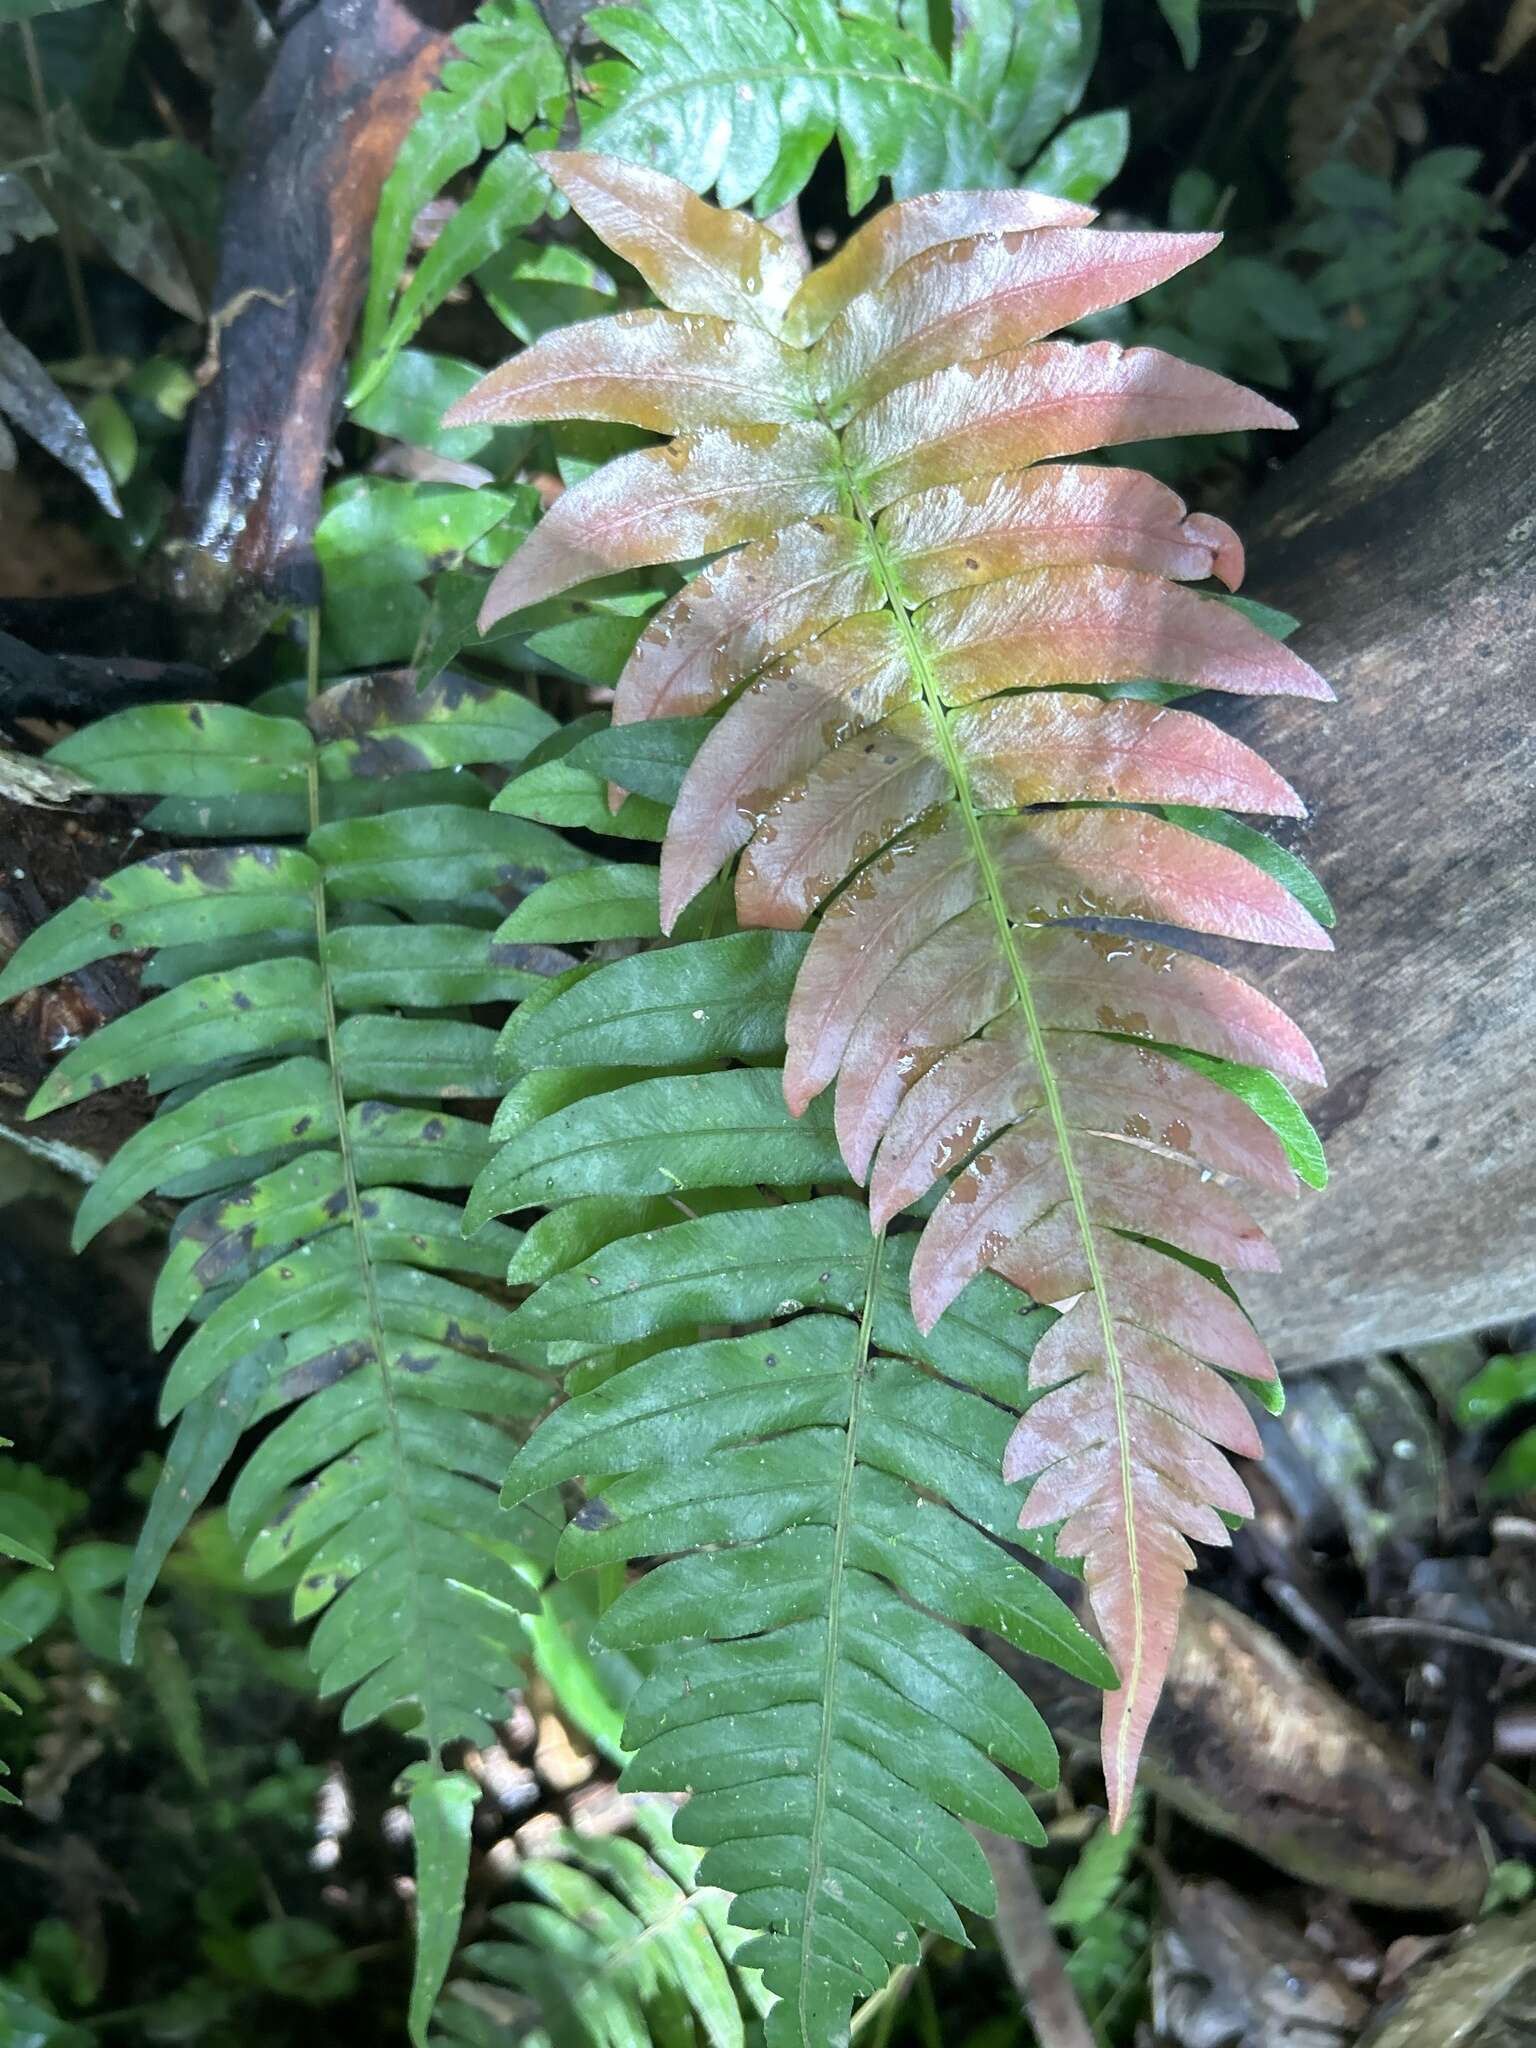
<point>1512,176</point>
<point>38,685</point>
<point>1029,1948</point>
<point>927,2016</point>
<point>1390,61</point>
<point>225,316</point>
<point>1446,1632</point>
<point>883,2006</point>
<point>44,112</point>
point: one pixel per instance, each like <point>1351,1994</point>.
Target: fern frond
<point>1091,1886</point>
<point>507,76</point>
<point>618,1942</point>
<point>918,656</point>
<point>748,98</point>
<point>1504,1385</point>
<point>74,1581</point>
<point>1108,1937</point>
<point>314,1061</point>
<point>311,1049</point>
<point>826,1486</point>
<point>28,1603</point>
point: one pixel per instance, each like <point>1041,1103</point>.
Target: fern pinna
<point>318,950</point>
<point>618,1942</point>
<point>932,650</point>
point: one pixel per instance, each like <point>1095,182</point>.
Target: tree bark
<point>1404,537</point>
<point>293,262</point>
<point>1030,1951</point>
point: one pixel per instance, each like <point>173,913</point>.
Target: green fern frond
<point>824,1489</point>
<point>26,1537</point>
<point>825,1485</point>
<point>1505,1384</point>
<point>742,97</point>
<point>312,1050</point>
<point>617,1942</point>
<point>57,1581</point>
<point>1095,1880</point>
<point>747,98</point>
<point>1094,1909</point>
<point>33,1508</point>
<point>507,76</point>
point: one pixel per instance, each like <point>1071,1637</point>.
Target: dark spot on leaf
<point>523,880</point>
<point>358,709</point>
<point>384,754</point>
<point>325,1369</point>
<point>195,716</point>
<point>292,1505</point>
<point>240,999</point>
<point>213,866</point>
<point>531,959</point>
<point>227,1255</point>
<point>114,931</point>
<point>433,1129</point>
<point>302,1126</point>
<point>412,1361</point>
<point>594,1514</point>
<point>453,688</point>
<point>335,1203</point>
<point>352,709</point>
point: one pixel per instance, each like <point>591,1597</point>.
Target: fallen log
<point>1404,537</point>
<point>1255,1746</point>
<point>1481,1994</point>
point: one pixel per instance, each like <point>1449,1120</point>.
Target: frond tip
<point>910,660</point>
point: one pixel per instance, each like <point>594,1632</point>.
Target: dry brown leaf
<point>1519,28</point>
<point>1361,70</point>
